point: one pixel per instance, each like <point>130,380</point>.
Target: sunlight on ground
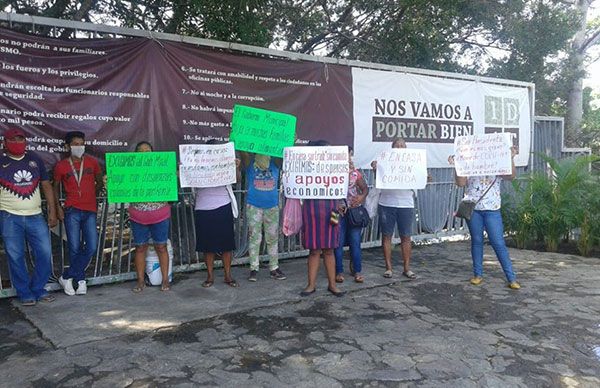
<point>142,324</point>
<point>111,313</point>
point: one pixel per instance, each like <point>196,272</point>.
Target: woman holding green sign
<point>150,220</point>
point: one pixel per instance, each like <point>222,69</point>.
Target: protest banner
<point>262,131</point>
<point>480,155</point>
<point>207,165</point>
<point>401,168</point>
<point>315,172</point>
<point>141,177</point>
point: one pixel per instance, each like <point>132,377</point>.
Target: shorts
<point>142,233</point>
<point>390,217</point>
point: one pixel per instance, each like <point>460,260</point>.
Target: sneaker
<point>67,285</point>
<point>81,288</point>
<point>514,286</point>
<point>253,275</point>
<point>476,280</point>
<point>278,275</point>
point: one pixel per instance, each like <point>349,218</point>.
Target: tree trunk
<point>575,99</point>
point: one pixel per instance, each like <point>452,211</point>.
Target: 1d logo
<point>502,115</point>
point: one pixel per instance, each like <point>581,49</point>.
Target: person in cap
<point>80,177</point>
<point>22,177</point>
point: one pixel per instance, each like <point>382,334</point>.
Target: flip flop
<point>232,283</point>
<point>138,289</point>
<point>339,278</point>
<point>358,278</point>
<point>387,274</point>
<point>207,283</point>
<point>410,274</point>
<point>165,288</point>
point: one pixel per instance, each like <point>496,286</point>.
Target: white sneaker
<point>81,288</point>
<point>67,285</point>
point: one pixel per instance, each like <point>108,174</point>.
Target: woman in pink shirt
<point>150,220</point>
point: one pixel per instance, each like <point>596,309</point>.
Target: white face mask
<point>77,151</point>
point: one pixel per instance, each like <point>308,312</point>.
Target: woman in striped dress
<point>320,234</point>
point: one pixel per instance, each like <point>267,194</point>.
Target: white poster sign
<point>480,155</point>
<point>401,168</point>
<point>207,165</point>
<point>315,172</point>
<point>431,112</point>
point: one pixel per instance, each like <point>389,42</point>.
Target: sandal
<point>232,283</point>
<point>207,283</point>
<point>28,302</point>
<point>48,298</point>
<point>165,287</point>
<point>137,289</point>
<point>387,274</point>
<point>410,274</point>
<point>358,278</point>
<point>339,278</point>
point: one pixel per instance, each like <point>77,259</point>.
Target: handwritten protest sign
<point>262,131</point>
<point>207,165</point>
<point>315,172</point>
<point>479,155</point>
<point>401,168</point>
<point>141,177</point>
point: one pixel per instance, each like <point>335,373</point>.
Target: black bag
<point>465,209</point>
<point>358,216</point>
<point>466,206</point>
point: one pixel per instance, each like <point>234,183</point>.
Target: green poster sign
<point>141,177</point>
<point>262,131</point>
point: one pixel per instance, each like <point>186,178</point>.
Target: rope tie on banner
<point>151,36</point>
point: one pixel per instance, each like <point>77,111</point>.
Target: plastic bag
<point>372,201</point>
<point>292,217</point>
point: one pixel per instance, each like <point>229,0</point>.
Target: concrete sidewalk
<point>436,331</point>
<point>114,310</point>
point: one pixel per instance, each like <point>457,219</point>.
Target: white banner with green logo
<point>431,112</point>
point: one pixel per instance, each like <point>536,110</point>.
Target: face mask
<point>15,148</point>
<point>77,151</point>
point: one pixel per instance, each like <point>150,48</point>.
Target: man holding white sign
<point>480,163</point>
<point>398,172</point>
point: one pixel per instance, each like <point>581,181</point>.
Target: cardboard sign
<point>262,131</point>
<point>401,168</point>
<point>315,172</point>
<point>207,165</point>
<point>141,177</point>
<point>480,155</point>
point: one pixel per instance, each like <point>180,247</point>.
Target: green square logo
<point>493,110</point>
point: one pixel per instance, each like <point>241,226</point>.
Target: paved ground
<point>435,331</point>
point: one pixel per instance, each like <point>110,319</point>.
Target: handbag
<point>234,206</point>
<point>466,206</point>
<point>358,216</point>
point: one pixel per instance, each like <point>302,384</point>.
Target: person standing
<point>22,176</point>
<point>349,234</point>
<point>485,190</point>
<point>150,220</point>
<point>81,178</point>
<point>396,208</point>
<point>262,211</point>
<point>320,234</point>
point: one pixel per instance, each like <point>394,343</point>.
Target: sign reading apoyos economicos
<point>141,177</point>
<point>262,131</point>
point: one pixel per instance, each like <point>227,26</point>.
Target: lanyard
<point>77,176</point>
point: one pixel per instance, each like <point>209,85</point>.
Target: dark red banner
<point>122,91</point>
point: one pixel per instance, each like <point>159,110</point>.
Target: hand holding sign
<point>207,165</point>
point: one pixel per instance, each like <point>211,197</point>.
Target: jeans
<point>351,236</point>
<point>16,230</point>
<point>82,238</point>
<point>491,221</point>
